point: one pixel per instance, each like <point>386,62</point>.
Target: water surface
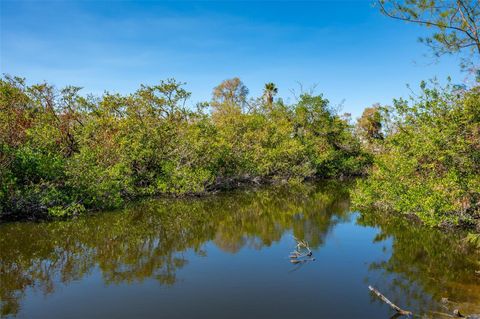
<point>226,256</point>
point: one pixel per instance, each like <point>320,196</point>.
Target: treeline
<point>426,157</point>
<point>62,153</point>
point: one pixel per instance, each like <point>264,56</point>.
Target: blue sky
<point>353,54</point>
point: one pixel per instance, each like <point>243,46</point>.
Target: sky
<point>347,50</point>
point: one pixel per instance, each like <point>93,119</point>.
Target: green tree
<point>230,92</point>
<point>456,22</point>
<point>430,162</point>
<point>269,92</point>
<point>61,153</point>
<point>369,125</point>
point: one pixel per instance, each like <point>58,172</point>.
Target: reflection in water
<point>428,264</point>
<point>149,240</point>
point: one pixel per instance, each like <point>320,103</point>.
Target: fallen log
<point>388,302</point>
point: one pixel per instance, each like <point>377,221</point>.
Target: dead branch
<point>388,302</point>
<point>302,244</point>
<point>302,252</point>
<point>401,312</point>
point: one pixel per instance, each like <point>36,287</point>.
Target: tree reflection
<point>147,240</point>
<point>426,264</point>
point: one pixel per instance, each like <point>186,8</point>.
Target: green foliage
<point>473,239</point>
<point>62,153</point>
<point>441,262</point>
<point>369,126</point>
<point>74,209</point>
<point>269,92</point>
<point>455,23</point>
<point>148,240</point>
<point>430,161</point>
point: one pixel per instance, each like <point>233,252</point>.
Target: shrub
<point>62,153</point>
<point>430,161</point>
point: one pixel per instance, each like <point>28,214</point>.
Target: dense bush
<point>61,153</point>
<point>429,163</point>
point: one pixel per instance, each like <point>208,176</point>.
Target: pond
<point>227,256</point>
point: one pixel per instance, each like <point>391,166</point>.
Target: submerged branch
<point>388,302</point>
<point>302,252</point>
<point>401,312</point>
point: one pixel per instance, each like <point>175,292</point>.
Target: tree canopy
<point>456,23</point>
<point>63,153</point>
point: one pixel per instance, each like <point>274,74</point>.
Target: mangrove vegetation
<point>63,153</point>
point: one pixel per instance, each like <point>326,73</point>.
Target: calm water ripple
<point>226,256</point>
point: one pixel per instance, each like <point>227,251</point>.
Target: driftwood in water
<point>302,252</point>
<point>301,245</point>
<point>388,302</point>
<point>401,312</point>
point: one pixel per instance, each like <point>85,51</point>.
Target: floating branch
<point>401,312</point>
<point>388,302</point>
<point>302,252</point>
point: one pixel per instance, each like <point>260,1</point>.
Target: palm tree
<point>269,92</point>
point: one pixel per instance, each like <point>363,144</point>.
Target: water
<point>226,256</point>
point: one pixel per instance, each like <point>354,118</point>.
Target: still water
<point>226,256</point>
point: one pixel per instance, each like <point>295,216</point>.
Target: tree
<point>167,98</point>
<point>456,22</point>
<point>428,165</point>
<point>269,91</point>
<point>62,154</point>
<point>369,125</point>
<point>231,91</point>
